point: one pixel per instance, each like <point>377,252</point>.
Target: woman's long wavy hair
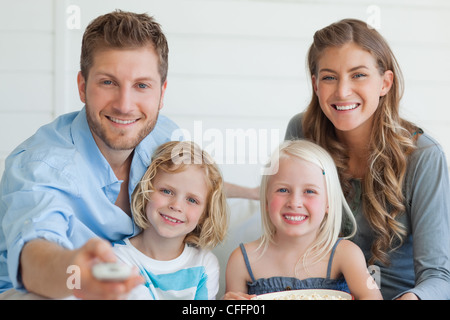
<point>391,143</point>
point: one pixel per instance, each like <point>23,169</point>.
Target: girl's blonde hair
<point>173,157</point>
<point>338,209</point>
<point>392,137</point>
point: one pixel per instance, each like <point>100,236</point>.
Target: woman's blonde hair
<point>173,157</point>
<point>391,141</point>
<point>338,209</point>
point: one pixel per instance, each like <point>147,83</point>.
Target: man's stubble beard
<point>119,144</point>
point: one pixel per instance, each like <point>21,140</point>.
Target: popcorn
<point>306,294</point>
<point>312,296</point>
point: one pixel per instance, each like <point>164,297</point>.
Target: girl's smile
<point>294,218</point>
<point>170,220</point>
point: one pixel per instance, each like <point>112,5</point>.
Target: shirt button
<point>288,288</point>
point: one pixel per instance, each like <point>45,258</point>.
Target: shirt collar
<point>100,168</point>
<point>141,161</point>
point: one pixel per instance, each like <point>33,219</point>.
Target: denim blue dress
<point>276,284</point>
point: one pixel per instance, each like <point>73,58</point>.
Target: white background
<point>235,67</point>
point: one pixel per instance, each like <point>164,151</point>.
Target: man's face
<point>123,95</point>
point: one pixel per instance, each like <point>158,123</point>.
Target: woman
<point>394,175</point>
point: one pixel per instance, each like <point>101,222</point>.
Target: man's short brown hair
<point>123,30</point>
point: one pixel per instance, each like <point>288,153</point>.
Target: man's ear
<point>163,91</point>
<point>81,87</point>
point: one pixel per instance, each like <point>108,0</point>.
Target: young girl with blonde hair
<point>302,208</point>
<point>181,208</point>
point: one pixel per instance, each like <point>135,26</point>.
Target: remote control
<point>111,271</point>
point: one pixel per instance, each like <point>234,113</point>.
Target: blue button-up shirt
<point>58,186</point>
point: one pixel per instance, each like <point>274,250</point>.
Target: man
<point>70,184</point>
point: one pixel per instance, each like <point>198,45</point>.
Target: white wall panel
<point>26,70</point>
<point>26,15</point>
<point>21,86</point>
<point>26,51</point>
<point>222,96</point>
<point>232,63</point>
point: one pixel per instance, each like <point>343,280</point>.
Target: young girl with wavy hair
<point>394,175</point>
<point>180,206</point>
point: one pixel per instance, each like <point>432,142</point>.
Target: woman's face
<point>349,85</point>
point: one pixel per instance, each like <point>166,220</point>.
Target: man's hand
<point>94,251</point>
<point>44,270</point>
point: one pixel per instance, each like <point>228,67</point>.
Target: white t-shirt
<point>193,275</point>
